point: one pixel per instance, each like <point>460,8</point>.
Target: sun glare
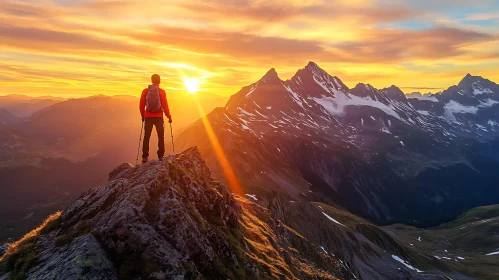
<point>192,85</point>
<point>227,169</point>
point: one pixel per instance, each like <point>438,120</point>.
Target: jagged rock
<point>3,249</point>
<point>171,220</point>
<point>118,170</point>
<point>84,258</point>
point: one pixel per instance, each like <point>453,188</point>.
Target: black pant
<point>160,129</point>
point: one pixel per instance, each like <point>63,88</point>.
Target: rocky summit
<point>171,220</point>
<point>166,221</point>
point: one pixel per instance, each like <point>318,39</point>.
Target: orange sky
<point>77,48</point>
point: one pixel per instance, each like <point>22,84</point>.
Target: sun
<point>192,85</point>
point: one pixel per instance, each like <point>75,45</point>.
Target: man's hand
<point>143,119</point>
<point>170,120</point>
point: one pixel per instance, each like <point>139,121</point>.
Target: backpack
<point>153,100</point>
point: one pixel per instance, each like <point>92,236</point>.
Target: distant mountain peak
<point>476,85</point>
<point>315,69</point>
<point>312,75</point>
<point>394,93</point>
<point>468,79</point>
<point>361,86</point>
<point>415,94</point>
<point>271,75</point>
<point>312,64</point>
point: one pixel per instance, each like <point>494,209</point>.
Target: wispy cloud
<point>87,47</point>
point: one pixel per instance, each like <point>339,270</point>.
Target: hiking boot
<point>144,160</point>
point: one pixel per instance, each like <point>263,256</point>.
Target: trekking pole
<point>173,144</point>
<point>140,140</point>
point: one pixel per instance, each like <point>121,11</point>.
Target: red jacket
<point>164,103</point>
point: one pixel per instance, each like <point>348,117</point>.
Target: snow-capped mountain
<point>374,152</point>
<point>469,108</point>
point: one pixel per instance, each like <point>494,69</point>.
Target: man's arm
<point>164,102</point>
<point>142,104</point>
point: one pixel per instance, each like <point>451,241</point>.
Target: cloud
<point>232,43</point>
<point>44,40</point>
<point>391,45</point>
<point>422,88</point>
<point>483,16</point>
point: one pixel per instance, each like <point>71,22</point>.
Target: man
<point>153,104</point>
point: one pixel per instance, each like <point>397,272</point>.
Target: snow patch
<point>480,90</point>
<point>336,82</point>
<point>425,113</point>
<point>251,90</point>
<point>481,127</point>
<point>324,250</point>
<point>252,196</point>
<point>385,130</point>
<point>425,98</point>
<point>330,218</point>
<point>294,95</point>
<point>402,143</point>
<point>244,112</point>
<point>336,105</point>
<point>455,107</point>
<point>488,103</point>
<point>405,263</point>
<point>492,254</point>
<point>419,238</point>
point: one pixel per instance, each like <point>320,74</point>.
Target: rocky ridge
<point>171,220</point>
<point>168,221</point>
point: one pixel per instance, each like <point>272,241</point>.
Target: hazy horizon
<point>202,94</point>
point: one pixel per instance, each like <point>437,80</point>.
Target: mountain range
<point>23,106</point>
<point>375,153</point>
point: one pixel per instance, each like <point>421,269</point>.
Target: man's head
<point>156,79</point>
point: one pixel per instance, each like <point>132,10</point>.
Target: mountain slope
<point>7,118</point>
<point>23,106</point>
<point>30,193</point>
<point>170,220</point>
<point>374,152</point>
<point>467,243</point>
